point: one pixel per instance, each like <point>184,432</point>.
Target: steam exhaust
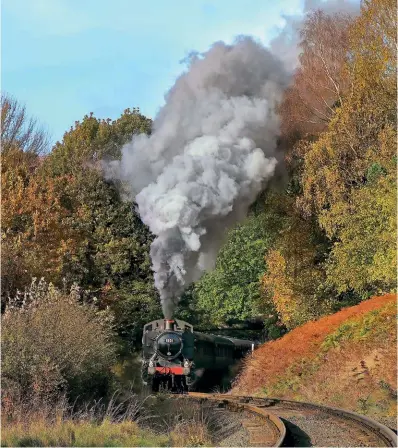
<point>212,150</point>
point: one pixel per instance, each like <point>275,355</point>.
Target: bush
<point>52,346</point>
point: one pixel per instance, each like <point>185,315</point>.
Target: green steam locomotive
<point>176,358</point>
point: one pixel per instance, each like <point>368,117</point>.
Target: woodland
<point>77,284</point>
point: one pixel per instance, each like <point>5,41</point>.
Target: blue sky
<point>66,58</point>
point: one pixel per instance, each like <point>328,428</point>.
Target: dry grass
<point>191,434</point>
<point>188,423</point>
<point>132,421</point>
<point>346,360</point>
<point>96,424</point>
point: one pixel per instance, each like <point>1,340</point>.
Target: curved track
<point>277,422</point>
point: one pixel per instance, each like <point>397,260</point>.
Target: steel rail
<point>384,434</point>
<point>274,423</point>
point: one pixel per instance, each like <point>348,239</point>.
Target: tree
<point>338,180</point>
<point>232,290</point>
<point>337,163</point>
<point>18,130</point>
<point>93,140</point>
<point>112,259</point>
<point>63,220</point>
<point>295,276</point>
<point>320,81</point>
<point>36,230</point>
<point>364,259</point>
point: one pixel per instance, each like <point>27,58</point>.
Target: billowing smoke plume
<point>212,149</point>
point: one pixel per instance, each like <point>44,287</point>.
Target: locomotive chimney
<point>168,324</point>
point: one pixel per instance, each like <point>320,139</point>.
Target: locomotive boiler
<point>177,358</point>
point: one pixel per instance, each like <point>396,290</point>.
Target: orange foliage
<point>37,229</point>
<point>274,357</point>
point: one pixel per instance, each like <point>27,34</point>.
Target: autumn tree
<point>294,280</point>
<point>36,228</point>
<point>320,81</point>
<point>35,234</point>
<point>64,221</point>
<point>364,258</point>
<point>339,168</point>
<point>112,259</point>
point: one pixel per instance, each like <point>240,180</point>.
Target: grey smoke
<point>212,149</point>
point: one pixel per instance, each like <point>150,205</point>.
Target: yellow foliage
<point>366,252</point>
<point>363,129</point>
<point>294,278</point>
<point>275,281</point>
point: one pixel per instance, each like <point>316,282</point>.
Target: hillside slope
<point>348,360</point>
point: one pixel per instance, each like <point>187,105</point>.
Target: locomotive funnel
<point>168,324</point>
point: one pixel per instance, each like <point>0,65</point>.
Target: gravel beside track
<point>324,430</point>
<point>232,432</point>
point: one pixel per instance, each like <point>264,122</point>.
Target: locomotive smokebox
<point>168,324</point>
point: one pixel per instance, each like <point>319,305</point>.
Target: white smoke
<point>212,149</point>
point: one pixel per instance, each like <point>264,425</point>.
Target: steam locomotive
<point>176,358</point>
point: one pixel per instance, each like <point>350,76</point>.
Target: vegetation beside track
<point>346,360</point>
<point>80,433</point>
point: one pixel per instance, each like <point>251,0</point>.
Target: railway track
<point>274,422</point>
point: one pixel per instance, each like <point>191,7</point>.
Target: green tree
<point>113,258</point>
<point>232,291</point>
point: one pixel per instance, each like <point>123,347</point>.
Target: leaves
<point>364,258</point>
<point>66,222</point>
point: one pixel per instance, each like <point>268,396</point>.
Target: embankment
<point>347,360</point>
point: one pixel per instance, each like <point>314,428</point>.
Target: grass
<point>134,421</point>
<point>346,360</point>
<point>191,434</point>
<point>79,433</point>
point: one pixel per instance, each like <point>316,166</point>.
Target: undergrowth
<point>131,421</point>
<point>348,363</point>
<point>79,433</point>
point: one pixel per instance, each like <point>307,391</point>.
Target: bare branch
<point>18,130</point>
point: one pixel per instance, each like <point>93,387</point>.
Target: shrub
<point>52,345</point>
